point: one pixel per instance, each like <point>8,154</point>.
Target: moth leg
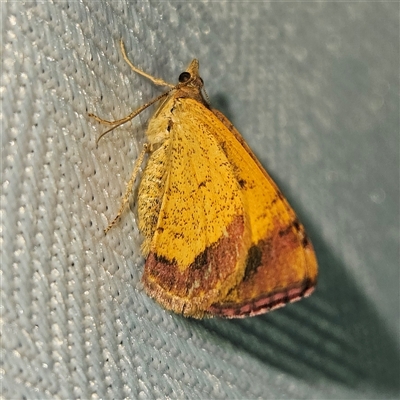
<point>101,120</point>
<point>118,122</point>
<point>157,81</point>
<point>129,187</point>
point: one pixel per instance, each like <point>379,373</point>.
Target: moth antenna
<point>156,81</point>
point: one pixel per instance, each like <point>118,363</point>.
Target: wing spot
<point>242,183</point>
<point>253,261</point>
<point>170,125</point>
<point>305,242</point>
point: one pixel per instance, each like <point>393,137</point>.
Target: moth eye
<point>201,80</point>
<point>184,77</point>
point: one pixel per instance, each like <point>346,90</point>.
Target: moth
<point>220,239</point>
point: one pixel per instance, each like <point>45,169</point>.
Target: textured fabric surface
<point>313,87</point>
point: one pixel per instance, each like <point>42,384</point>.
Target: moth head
<point>191,76</point>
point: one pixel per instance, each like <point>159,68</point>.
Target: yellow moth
<point>220,239</point>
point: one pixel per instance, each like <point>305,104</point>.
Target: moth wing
<point>244,251</point>
<point>281,265</point>
<point>202,236</point>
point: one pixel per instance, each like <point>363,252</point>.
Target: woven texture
<point>314,90</point>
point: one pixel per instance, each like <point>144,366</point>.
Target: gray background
<point>313,88</point>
